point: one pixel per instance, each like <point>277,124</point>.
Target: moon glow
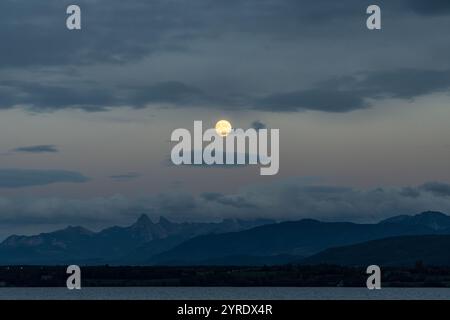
<point>223,128</point>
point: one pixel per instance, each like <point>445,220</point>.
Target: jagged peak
<point>143,220</point>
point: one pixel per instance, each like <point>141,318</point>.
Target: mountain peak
<point>432,219</point>
<point>434,214</point>
<point>143,220</point>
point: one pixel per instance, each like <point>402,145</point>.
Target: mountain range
<point>235,242</point>
<point>298,239</point>
<point>115,245</point>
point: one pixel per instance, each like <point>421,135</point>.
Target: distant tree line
<point>284,276</point>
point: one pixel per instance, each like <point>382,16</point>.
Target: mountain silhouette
<point>229,242</point>
<point>397,251</point>
<point>431,219</point>
<point>112,245</point>
<point>298,238</point>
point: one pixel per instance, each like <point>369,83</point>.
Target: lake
<point>224,293</point>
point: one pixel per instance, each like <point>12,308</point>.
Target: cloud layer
<point>43,148</point>
<point>19,178</point>
<point>290,199</point>
<point>354,92</point>
<point>195,54</point>
<point>343,94</point>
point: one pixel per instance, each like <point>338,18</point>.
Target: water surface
<point>232,293</point>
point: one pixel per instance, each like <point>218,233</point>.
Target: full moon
<point>223,128</point>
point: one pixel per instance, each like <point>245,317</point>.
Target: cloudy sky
<point>86,116</point>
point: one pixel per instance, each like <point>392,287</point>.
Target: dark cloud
<point>437,188</point>
<point>353,92</point>
<point>314,99</point>
<point>403,83</point>
<point>44,148</point>
<point>117,33</point>
<point>48,97</point>
<point>342,94</point>
<point>232,201</point>
<point>18,178</point>
<point>410,192</point>
<point>114,31</point>
<point>174,204</point>
<point>171,92</point>
<point>295,198</point>
<point>211,196</point>
<point>258,125</point>
<point>430,7</point>
<point>126,176</point>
